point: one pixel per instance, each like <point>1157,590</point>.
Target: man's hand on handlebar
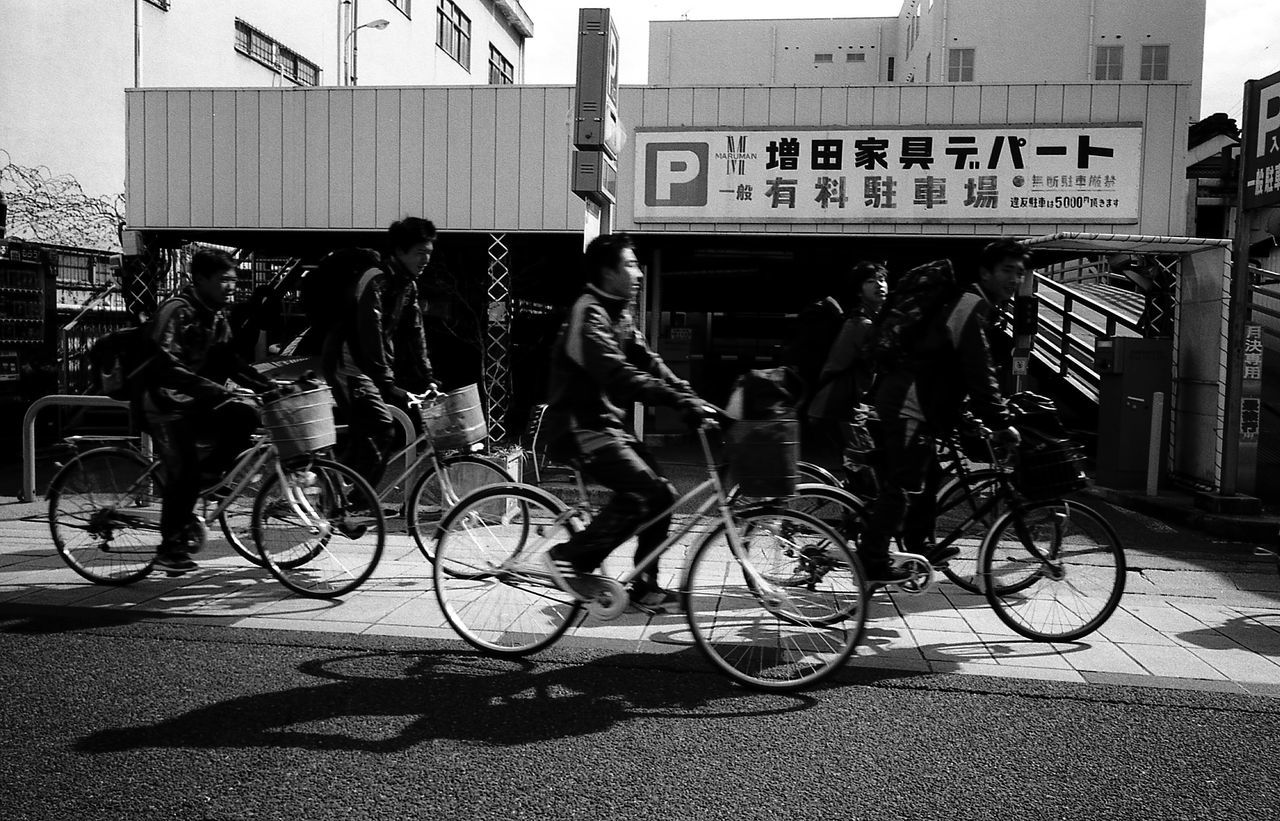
<point>432,392</point>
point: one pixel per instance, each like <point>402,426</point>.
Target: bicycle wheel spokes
<point>1054,571</point>
<point>320,533</point>
<point>237,520</point>
<point>964,520</point>
<point>104,514</point>
<point>431,498</point>
<point>785,613</point>
<point>487,570</point>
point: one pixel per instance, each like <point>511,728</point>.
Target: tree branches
<point>53,209</point>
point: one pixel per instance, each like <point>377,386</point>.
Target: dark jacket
<point>816,328</point>
<point>598,362</point>
<point>950,362</point>
<point>847,375</point>
<point>196,358</point>
<point>386,317</point>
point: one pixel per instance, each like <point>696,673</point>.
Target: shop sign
<point>1261,148</point>
<point>1251,393</point>
<point>1065,174</point>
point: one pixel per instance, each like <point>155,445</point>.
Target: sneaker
<point>886,574</point>
<point>175,563</point>
<point>939,556</point>
<point>347,526</point>
<point>568,578</point>
<point>651,597</point>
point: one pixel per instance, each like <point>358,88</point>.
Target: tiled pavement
<point>1186,621</point>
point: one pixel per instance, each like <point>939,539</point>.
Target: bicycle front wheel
<point>778,604</point>
<point>488,576</point>
<point>236,520</point>
<point>438,491</point>
<point>321,531</point>
<point>1053,570</point>
<point>967,508</point>
<point>104,514</point>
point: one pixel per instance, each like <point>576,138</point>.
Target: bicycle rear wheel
<point>963,520</point>
<point>104,514</point>
<point>321,531</point>
<point>428,502</point>
<point>1053,570</point>
<point>786,610</point>
<point>488,576</point>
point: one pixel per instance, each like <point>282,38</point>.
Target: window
<point>960,65</point>
<point>1109,64</point>
<point>855,57</point>
<point>453,32</point>
<point>259,47</point>
<point>889,75</point>
<point>501,72</point>
<point>403,6</point>
<point>822,58</point>
<point>1155,63</point>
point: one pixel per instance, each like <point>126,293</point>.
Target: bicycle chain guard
<point>922,573</point>
<point>610,602</point>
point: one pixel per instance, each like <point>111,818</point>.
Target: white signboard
<point>1075,174</point>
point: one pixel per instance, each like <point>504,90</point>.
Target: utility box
<point>1130,372</point>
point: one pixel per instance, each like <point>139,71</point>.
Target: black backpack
<point>327,292</point>
<point>913,302</point>
<point>122,361</point>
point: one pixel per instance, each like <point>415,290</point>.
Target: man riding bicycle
<point>187,399</point>
<point>923,400</point>
<point>360,353</point>
<point>600,362</point>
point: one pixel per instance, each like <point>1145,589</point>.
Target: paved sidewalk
<point>1186,621</point>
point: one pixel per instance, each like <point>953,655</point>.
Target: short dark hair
<point>409,232</point>
<point>605,251</point>
<point>209,261</point>
<point>997,252</point>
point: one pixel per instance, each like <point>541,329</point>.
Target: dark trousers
<point>371,430</point>
<point>909,477</point>
<point>229,427</point>
<point>629,470</point>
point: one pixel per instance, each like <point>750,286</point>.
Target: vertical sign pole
<point>1236,319</point>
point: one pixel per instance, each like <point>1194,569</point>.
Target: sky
<point>1242,40</point>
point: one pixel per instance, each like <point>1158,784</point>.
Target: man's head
<point>412,240</point>
<point>870,281</point>
<point>213,275</point>
<point>1001,267</point>
<point>612,267</point>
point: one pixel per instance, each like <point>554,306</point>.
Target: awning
<point>1124,243</point>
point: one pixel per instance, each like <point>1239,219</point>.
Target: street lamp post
<point>354,40</point>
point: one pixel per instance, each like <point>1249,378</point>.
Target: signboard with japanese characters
<point>1063,174</point>
<point>1261,149</point>
<point>1251,377</point>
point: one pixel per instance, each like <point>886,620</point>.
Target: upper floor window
<point>1155,63</point>
<point>1109,63</point>
<point>403,5</point>
<point>453,32</point>
<point>960,65</point>
<point>822,58</point>
<point>501,72</point>
<point>855,57</point>
<point>259,47</point>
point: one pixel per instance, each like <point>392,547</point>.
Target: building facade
<point>944,41</point>
<point>64,73</point>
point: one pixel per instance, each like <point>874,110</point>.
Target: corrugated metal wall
<point>497,158</point>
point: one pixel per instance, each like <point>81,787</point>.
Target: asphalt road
<point>151,720</point>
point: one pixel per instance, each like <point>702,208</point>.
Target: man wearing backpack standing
<point>186,398</point>
<point>944,357</point>
<point>360,361</point>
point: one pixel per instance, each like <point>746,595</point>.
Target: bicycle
<point>105,504</point>
<point>1052,569</point>
<point>774,598</point>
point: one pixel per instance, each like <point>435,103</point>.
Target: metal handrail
<point>27,492</point>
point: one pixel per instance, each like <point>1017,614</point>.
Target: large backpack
<point>122,361</point>
<point>913,302</point>
<point>327,292</point>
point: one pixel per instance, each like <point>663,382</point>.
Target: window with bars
<point>501,72</point>
<point>403,6</point>
<point>1109,63</point>
<point>960,65</point>
<point>822,58</point>
<point>453,32</point>
<point>855,57</point>
<point>1155,63</point>
<point>266,50</point>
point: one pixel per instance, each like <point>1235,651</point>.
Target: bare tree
<point>54,209</point>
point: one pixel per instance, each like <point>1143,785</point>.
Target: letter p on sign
<point>675,174</point>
